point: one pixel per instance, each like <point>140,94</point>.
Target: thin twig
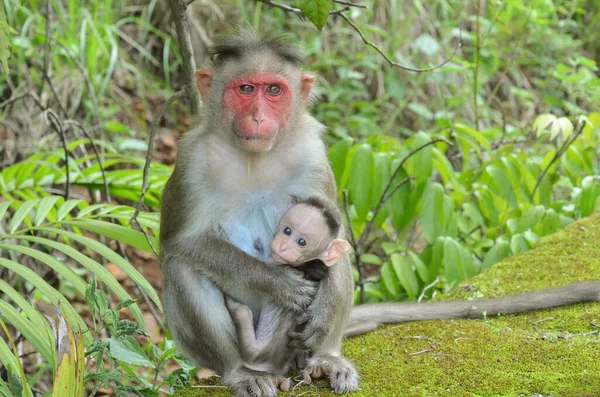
<point>392,63</point>
<point>282,7</point>
<point>347,3</point>
<point>153,130</point>
<point>13,99</point>
<point>428,350</point>
<point>52,119</point>
<point>60,105</point>
<point>427,288</point>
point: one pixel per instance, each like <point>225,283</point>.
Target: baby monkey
<point>307,239</point>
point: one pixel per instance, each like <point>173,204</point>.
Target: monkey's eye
<point>246,88</point>
<point>287,231</point>
<point>273,89</point>
<point>301,242</point>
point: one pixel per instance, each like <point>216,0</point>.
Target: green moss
<point>551,352</point>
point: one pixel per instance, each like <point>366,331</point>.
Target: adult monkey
<point>257,147</point>
<point>235,175</point>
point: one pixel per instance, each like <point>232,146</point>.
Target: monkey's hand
<point>293,291</point>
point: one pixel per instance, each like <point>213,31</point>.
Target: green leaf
<point>518,244</point>
<point>371,259</point>
<point>5,30</point>
<point>20,214</point>
<point>361,183</point>
<point>432,212</point>
<point>129,351</point>
<point>458,263</point>
<point>423,159</point>
<point>406,275</point>
<point>116,232</point>
<point>542,122</point>
<point>588,198</point>
<point>317,11</point>
<point>422,270</point>
<point>43,208</point>
<point>389,279</point>
<point>381,178</point>
<point>498,252</point>
<point>337,157</point>
<point>112,257</point>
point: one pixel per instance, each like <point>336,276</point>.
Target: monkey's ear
<point>204,82</point>
<point>335,251</point>
<point>308,81</point>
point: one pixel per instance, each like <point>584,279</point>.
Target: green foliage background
<point>445,172</point>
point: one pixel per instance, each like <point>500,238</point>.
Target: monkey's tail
<point>366,318</point>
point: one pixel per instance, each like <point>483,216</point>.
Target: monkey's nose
<point>259,117</point>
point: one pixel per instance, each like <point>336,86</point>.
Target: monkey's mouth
<point>256,137</point>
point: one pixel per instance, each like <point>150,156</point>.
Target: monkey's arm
<point>233,271</point>
<point>366,318</point>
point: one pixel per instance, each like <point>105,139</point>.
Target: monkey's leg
<point>204,331</point>
<point>244,326</point>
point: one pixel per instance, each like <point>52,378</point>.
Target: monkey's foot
<point>342,375</point>
<point>246,383</point>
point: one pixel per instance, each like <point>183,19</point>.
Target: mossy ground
<point>550,353</point>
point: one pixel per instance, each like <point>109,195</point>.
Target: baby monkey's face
<point>302,235</point>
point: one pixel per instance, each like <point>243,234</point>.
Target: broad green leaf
<point>561,125</point>
<point>423,159</point>
<point>361,183</point>
<point>406,275</point>
<point>432,212</point>
<point>371,259</point>
<point>400,200</point>
<point>5,48</point>
<point>518,244</point>
<point>337,157</point>
<point>70,352</point>
<point>381,177</point>
<point>422,270</point>
<point>128,350</point>
<point>390,281</point>
<point>498,252</point>
<point>542,122</point>
<point>588,199</point>
<point>458,263</point>
<point>317,11</point>
<point>67,207</point>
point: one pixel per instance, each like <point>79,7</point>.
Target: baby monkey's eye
<point>287,231</point>
<point>301,242</point>
<point>246,88</point>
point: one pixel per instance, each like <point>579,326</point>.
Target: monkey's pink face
<point>257,107</point>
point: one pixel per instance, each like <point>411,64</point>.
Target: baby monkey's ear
<point>335,251</point>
